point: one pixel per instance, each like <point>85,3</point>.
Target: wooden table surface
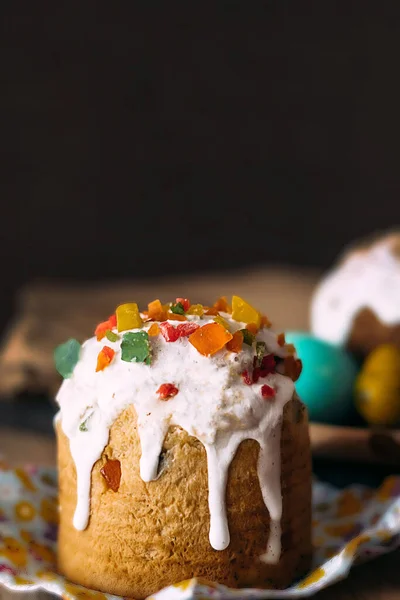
<point>378,580</point>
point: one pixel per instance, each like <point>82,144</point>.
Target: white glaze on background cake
<point>213,404</point>
<point>367,278</point>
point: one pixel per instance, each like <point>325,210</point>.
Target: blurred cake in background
<point>358,303</point>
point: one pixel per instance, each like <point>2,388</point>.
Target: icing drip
<point>213,404</point>
<point>366,279</point>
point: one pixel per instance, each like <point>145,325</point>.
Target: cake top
<point>367,277</point>
<point>130,335</point>
<point>220,373</point>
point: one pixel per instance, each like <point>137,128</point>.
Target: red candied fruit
<point>171,333</point>
<point>268,392</point>
<point>167,391</point>
<point>267,366</point>
<point>102,327</point>
<point>247,378</point>
<point>185,303</point>
<point>111,472</point>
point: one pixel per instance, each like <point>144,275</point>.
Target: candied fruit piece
<point>244,312</point>
<point>135,347</point>
<point>293,367</point>
<point>176,317</point>
<point>268,392</point>
<point>111,336</point>
<point>266,367</point>
<point>185,303</point>
<point>222,305</point>
<point>261,349</point>
<point>128,317</point>
<point>248,337</point>
<point>247,378</point>
<point>167,391</point>
<point>111,472</point>
<point>112,319</point>
<point>66,356</point>
<point>290,349</point>
<point>156,311</point>
<point>210,338</point>
<point>196,309</point>
<point>153,330</point>
<point>101,329</point>
<point>177,309</point>
<point>280,338</point>
<point>236,343</point>
<point>265,322</point>
<point>104,358</point>
<point>252,327</point>
<point>171,333</point>
<point>210,310</point>
<point>221,321</point>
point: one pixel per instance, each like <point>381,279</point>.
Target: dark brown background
<point>148,140</point>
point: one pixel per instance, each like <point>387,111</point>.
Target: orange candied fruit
<point>104,358</point>
<point>252,327</point>
<point>153,330</point>
<point>222,305</point>
<point>293,367</point>
<point>210,338</point>
<point>280,338</point>
<point>210,310</point>
<point>265,322</point>
<point>175,317</point>
<point>236,343</point>
<point>156,311</point>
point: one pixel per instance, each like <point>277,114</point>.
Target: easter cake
<point>183,451</point>
<point>358,303</point>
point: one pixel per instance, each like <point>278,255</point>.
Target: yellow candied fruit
<point>221,321</point>
<point>196,309</point>
<point>128,317</point>
<point>244,312</point>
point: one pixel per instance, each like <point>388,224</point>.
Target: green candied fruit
<point>135,347</point>
<point>66,356</point>
<point>177,308</point>
<point>261,349</point>
<point>111,336</point>
<point>248,337</point>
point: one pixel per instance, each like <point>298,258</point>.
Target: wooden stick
<point>367,445</point>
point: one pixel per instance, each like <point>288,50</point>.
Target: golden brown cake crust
<point>150,535</point>
<point>368,332</point>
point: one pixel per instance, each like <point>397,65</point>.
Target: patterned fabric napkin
<point>349,526</point>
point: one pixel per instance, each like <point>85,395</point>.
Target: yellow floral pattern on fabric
<point>349,526</point>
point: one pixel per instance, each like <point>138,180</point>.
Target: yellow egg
<point>377,388</point>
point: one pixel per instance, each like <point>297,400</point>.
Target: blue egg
<point>327,380</point>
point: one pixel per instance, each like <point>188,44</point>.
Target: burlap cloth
<point>48,314</point>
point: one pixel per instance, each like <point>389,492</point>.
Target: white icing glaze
<point>213,404</point>
<point>366,279</point>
